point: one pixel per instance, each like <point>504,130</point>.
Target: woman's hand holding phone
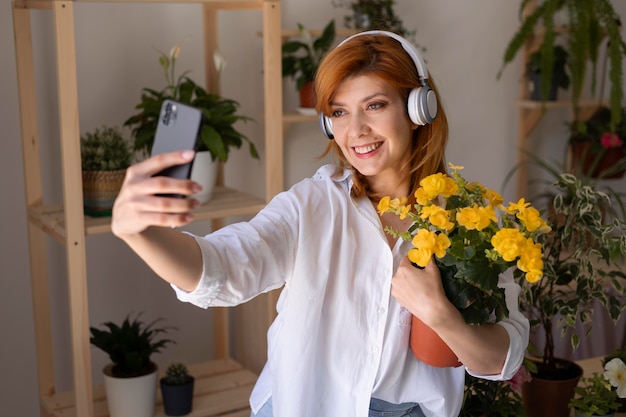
<point>141,202</point>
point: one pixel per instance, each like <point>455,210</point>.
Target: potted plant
<point>582,258</point>
<point>482,397</point>
<point>596,150</point>
<point>621,355</point>
<point>301,57</point>
<point>105,154</point>
<point>545,88</point>
<point>177,390</point>
<point>374,15</point>
<point>587,23</point>
<point>473,239</point>
<point>131,377</point>
<point>598,394</point>
<point>217,132</point>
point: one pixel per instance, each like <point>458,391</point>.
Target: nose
<point>357,125</point>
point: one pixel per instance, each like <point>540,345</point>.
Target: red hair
<point>385,58</point>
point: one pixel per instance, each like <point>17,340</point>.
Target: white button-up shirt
<point>340,338</point>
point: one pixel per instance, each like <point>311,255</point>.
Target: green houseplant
<point>587,23</point>
<point>374,15</point>
<point>217,133</point>
<point>130,378</point>
<point>594,396</point>
<point>177,390</point>
<point>105,155</point>
<point>302,55</point>
<point>582,265</point>
<point>545,88</point>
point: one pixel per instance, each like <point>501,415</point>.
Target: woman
<point>339,345</point>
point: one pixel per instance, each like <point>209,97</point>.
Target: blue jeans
<point>378,408</point>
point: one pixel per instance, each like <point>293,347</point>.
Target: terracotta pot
<point>429,348</point>
<point>582,155</point>
<point>307,95</point>
<point>550,397</point>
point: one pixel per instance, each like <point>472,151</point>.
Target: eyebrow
<point>363,100</point>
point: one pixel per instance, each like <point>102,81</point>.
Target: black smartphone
<point>177,129</point>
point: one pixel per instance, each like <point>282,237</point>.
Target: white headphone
<point>422,101</point>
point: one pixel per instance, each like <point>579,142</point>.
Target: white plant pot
<point>131,397</point>
<point>204,172</point>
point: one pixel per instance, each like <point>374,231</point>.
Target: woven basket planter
<point>100,188</point>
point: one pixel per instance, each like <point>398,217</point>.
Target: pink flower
<point>610,140</point>
<point>519,378</point>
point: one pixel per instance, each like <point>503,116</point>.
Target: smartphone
<point>178,128</point>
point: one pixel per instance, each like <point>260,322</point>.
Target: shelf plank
<point>222,388</point>
<point>226,202</point>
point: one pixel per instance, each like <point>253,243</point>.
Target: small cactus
<point>176,374</point>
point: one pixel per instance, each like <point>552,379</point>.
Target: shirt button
<point>375,349</point>
<point>381,311</point>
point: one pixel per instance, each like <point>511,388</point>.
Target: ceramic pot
<point>551,397</point>
<point>177,399</point>
<point>429,348</point>
<point>204,172</point>
<point>130,397</point>
<point>307,95</point>
<point>583,156</point>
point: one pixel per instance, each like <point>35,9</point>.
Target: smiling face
<point>373,130</point>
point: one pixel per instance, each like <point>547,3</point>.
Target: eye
<point>337,113</point>
<point>376,105</point>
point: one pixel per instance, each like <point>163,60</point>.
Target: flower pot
<point>429,348</point>
<point>307,95</point>
<point>177,399</point>
<point>100,189</point>
<point>583,160</point>
<point>535,79</point>
<point>130,397</point>
<point>550,397</point>
<point>204,172</point>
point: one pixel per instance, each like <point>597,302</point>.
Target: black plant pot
<point>536,80</point>
<point>177,399</point>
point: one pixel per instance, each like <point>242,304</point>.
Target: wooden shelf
<point>226,202</point>
<point>222,388</point>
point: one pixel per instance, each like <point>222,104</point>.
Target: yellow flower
<point>422,198</point>
<point>426,244</point>
<point>438,184</point>
<point>475,217</point>
<point>455,167</point>
<point>515,207</point>
<point>404,212</point>
<point>531,218</point>
<point>383,204</point>
<point>508,243</point>
<point>494,198</point>
<point>438,217</point>
<point>531,260</point>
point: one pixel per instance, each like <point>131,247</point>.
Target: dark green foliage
<point>594,396</point>
<point>490,398</point>
<point>583,257</point>
<point>217,133</point>
<point>588,23</point>
<point>559,76</point>
<point>301,57</point>
<point>105,149</point>
<point>130,345</point>
<point>374,15</point>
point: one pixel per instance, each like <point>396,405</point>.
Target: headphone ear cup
<point>422,105</point>
<point>326,125</point>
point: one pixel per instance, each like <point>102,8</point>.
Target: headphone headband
<point>420,65</point>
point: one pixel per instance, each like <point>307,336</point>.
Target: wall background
<point>117,48</point>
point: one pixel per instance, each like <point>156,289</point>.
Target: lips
<point>364,150</point>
